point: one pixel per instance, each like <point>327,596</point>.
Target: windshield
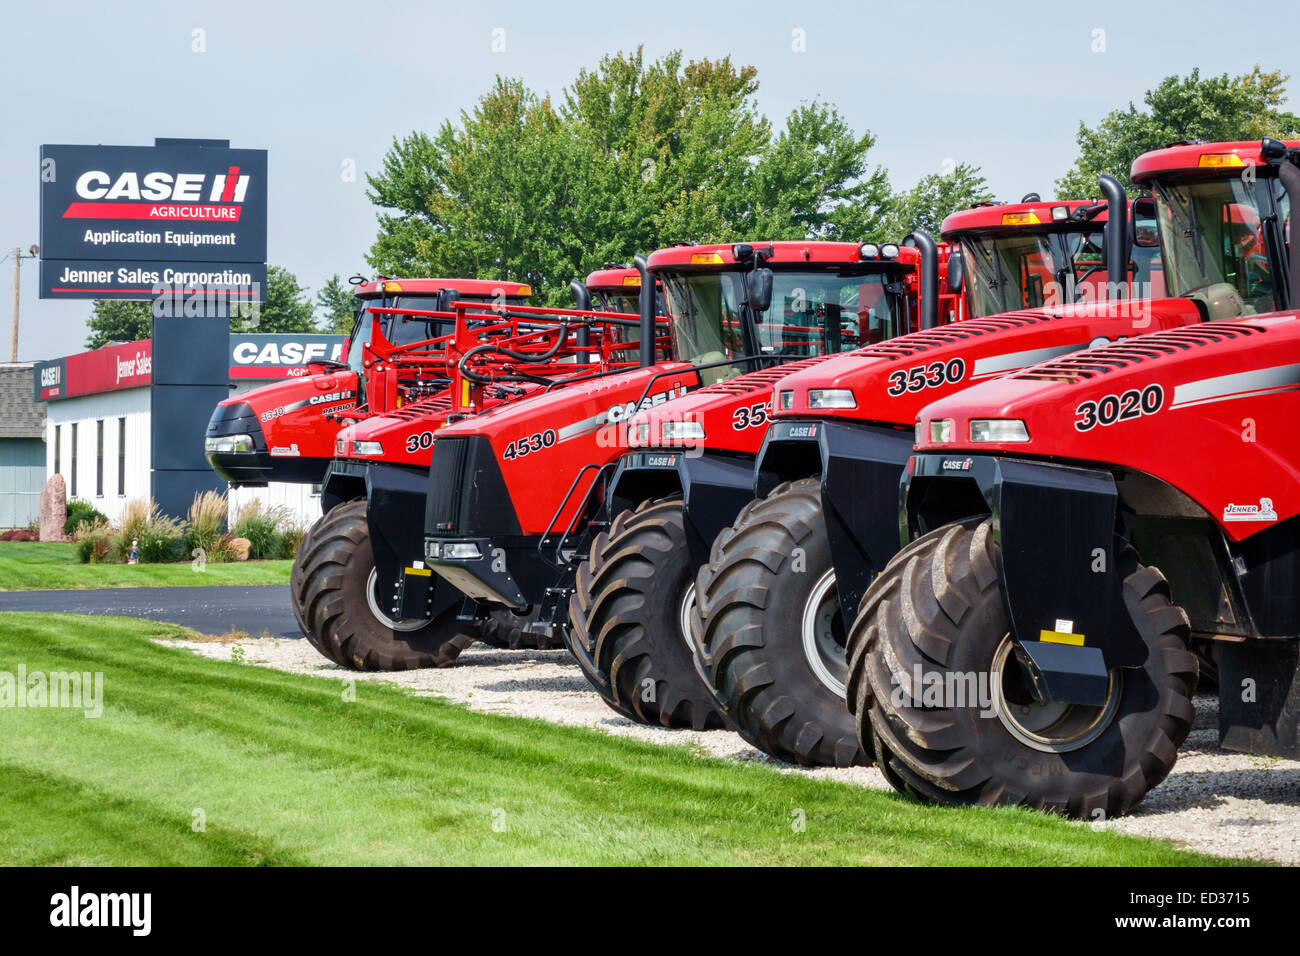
<point>1217,242</point>
<point>627,301</point>
<point>812,313</point>
<point>405,329</point>
<point>1032,270</point>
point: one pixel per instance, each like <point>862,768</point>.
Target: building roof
<point>21,416</point>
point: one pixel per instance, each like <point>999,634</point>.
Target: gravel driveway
<point>1215,801</point>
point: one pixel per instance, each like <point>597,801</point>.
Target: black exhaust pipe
<point>929,276</point>
<point>1116,237</point>
<point>1290,177</point>
<point>582,300</point>
<point>647,302</point>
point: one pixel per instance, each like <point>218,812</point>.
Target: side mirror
<point>758,289</point>
<point>956,274</point>
<point>1146,231</point>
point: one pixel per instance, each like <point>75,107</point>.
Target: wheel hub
<point>1047,726</point>
<point>823,635</point>
<point>372,598</point>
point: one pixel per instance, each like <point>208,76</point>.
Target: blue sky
<point>999,85</point>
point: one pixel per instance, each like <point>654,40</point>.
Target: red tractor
<point>286,431</point>
<point>784,581</point>
<point>357,596</point>
<point>515,493</point>
<point>1072,525</point>
<point>692,471</point>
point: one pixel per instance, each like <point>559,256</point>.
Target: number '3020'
<point>1124,407</point>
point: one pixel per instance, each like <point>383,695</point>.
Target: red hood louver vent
<point>763,378</point>
<point>919,342</point>
<point>425,406</point>
<point>1080,366</point>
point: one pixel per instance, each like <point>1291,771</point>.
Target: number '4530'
<point>522,447</point>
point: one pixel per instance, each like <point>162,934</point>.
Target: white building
<point>97,428</point>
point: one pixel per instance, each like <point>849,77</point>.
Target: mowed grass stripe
<point>285,770</point>
<point>47,565</point>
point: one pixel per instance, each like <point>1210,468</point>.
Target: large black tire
<point>504,629</point>
<point>298,593</point>
<point>627,619</point>
<point>769,580</point>
<point>338,605</point>
<point>938,607</point>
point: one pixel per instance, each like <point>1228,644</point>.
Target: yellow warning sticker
<point>1061,637</point>
<point>425,572</point>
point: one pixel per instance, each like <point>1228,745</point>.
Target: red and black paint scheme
<point>286,431</point>
<point>374,490</point>
<point>520,486</point>
<point>841,434</point>
<point>1122,501</point>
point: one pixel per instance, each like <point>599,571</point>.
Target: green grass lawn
<point>38,565</point>
<point>285,770</point>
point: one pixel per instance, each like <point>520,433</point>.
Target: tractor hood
<point>889,383</point>
<point>1185,406</point>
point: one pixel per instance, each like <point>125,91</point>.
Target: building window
<point>121,457</point>
<point>99,458</point>
<point>58,448</point>
<point>73,490</point>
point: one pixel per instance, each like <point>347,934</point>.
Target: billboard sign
<point>185,214</point>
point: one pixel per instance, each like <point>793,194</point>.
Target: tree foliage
<point>286,308</point>
<point>338,306</point>
<point>114,320</point>
<point>930,201</point>
<point>632,156</point>
<point>1215,109</point>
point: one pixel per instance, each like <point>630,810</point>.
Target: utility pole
<point>18,260</point>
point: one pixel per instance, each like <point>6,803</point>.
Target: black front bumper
<point>256,467</point>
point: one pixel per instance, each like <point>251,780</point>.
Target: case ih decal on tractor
<point>1071,566</point>
<point>783,582</point>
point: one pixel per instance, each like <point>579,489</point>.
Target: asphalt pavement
<point>209,610</point>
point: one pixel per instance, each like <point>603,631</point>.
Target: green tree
<point>338,306</point>
<point>1216,108</point>
<point>287,307</point>
<point>631,157</point>
<point>113,320</point>
<point>930,201</point>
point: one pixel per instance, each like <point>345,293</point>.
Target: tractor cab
<point>1224,218</point>
<point>1035,254</point>
<point>616,288</point>
<point>782,300</point>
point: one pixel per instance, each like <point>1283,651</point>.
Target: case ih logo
<point>160,196</point>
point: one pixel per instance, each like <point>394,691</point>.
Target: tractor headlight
<point>228,444</point>
<point>941,431</point>
<point>998,430</point>
<point>452,550</point>
<point>367,448</point>
<point>831,398</point>
<point>785,400</point>
<point>641,433</point>
<point>682,431</point>
<point>340,448</point>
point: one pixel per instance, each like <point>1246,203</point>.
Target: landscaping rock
<point>54,509</point>
<point>240,548</point>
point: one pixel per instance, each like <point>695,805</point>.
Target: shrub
<point>207,526</point>
<point>294,533</point>
<point>17,534</point>
<point>94,540</point>
<point>262,527</point>
<point>161,538</point>
<point>79,511</point>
